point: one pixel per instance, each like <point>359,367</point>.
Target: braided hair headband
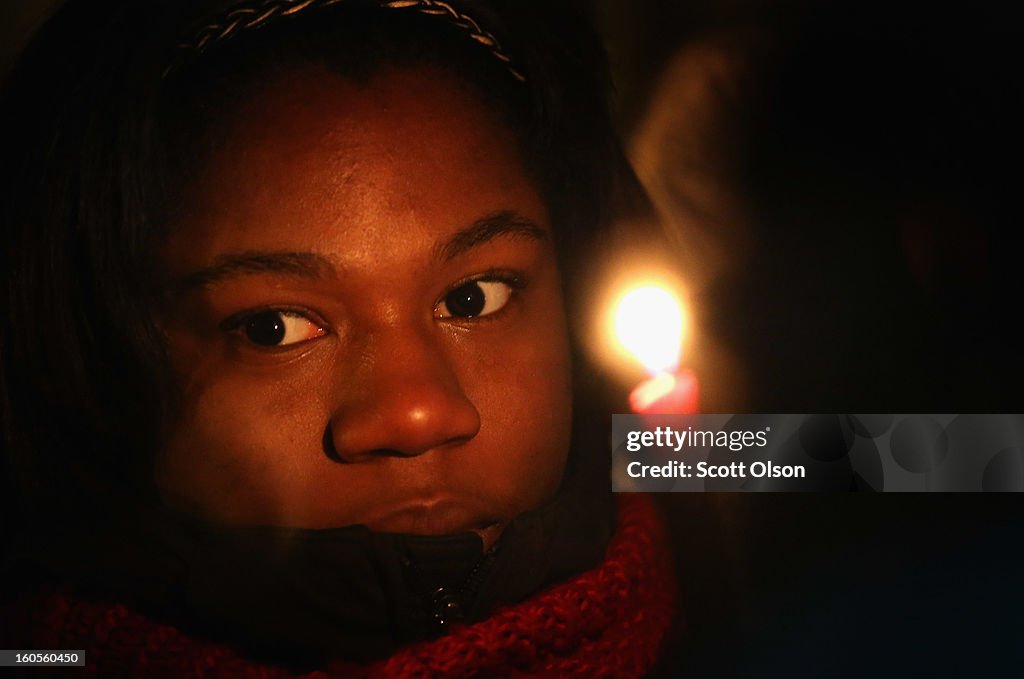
<point>255,15</point>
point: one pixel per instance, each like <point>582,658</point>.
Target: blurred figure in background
<point>838,185</point>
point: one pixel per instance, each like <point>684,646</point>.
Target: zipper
<point>447,605</point>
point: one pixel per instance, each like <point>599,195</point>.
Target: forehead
<point>312,154</point>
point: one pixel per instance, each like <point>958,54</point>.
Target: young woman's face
<point>365,315</point>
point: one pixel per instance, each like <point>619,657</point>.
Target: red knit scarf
<point>609,621</point>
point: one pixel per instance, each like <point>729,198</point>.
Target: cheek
<point>531,429</point>
<point>522,389</point>
<point>243,447</point>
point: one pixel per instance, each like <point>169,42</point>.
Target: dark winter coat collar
<point>610,620</point>
<point>311,594</point>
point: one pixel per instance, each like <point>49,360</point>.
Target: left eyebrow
<point>498,224</point>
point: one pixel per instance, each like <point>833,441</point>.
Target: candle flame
<point>649,325</point>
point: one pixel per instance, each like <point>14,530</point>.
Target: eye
<point>475,298</point>
<point>277,328</point>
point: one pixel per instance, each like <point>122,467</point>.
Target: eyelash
<point>513,280</point>
<point>236,323</point>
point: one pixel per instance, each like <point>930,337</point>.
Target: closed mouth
<point>439,517</point>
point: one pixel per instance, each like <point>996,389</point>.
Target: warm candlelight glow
<point>649,322</point>
<point>649,325</point>
<point>642,324</point>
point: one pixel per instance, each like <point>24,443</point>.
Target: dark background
<point>875,153</point>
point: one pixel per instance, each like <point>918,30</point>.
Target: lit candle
<point>666,394</point>
<point>649,325</point>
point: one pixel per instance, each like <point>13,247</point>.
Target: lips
<point>439,517</point>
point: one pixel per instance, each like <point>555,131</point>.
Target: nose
<point>403,399</point>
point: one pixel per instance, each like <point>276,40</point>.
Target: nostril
<point>332,453</point>
<point>328,444</point>
<point>390,452</point>
<point>331,450</point>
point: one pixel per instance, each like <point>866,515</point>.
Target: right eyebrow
<point>301,264</point>
<point>504,223</point>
